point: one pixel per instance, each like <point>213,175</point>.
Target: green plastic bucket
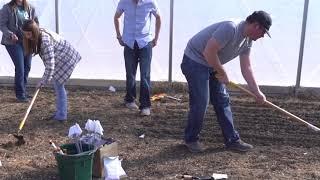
<point>73,166</point>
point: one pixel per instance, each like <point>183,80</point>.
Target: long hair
<point>32,46</point>
<point>25,4</point>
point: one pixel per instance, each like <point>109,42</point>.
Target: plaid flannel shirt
<point>58,56</point>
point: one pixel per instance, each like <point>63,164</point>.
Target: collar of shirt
<point>137,23</point>
<point>239,38</point>
<point>138,1</point>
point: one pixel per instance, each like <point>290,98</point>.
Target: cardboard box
<point>108,150</point>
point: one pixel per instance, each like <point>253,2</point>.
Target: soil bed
<point>284,148</point>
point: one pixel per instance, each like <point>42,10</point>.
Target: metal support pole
<point>57,15</point>
<point>303,35</point>
<point>170,40</point>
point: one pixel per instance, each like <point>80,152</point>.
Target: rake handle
<point>28,110</point>
<point>275,106</point>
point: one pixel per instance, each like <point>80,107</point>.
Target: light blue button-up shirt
<point>137,21</point>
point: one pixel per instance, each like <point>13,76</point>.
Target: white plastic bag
<point>113,168</point>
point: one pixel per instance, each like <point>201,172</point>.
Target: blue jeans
<point>61,101</point>
<point>133,57</point>
<point>201,84</point>
<point>22,64</point>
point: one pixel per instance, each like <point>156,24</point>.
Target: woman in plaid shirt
<point>59,59</point>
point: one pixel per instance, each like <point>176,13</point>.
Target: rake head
<point>20,139</point>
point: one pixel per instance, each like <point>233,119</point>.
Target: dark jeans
<point>133,57</point>
<point>201,84</point>
<point>22,66</point>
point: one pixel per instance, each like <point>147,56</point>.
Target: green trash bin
<point>73,166</point>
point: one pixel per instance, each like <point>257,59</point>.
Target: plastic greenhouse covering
<point>88,25</point>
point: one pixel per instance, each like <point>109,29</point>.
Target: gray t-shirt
<point>228,34</point>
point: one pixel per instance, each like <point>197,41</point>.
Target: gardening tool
<point>56,149</point>
<point>18,136</point>
<point>190,177</point>
<point>276,107</point>
<point>160,96</point>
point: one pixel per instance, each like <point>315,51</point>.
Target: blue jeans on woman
<point>22,64</point>
<point>202,84</point>
<point>133,57</point>
<point>61,101</point>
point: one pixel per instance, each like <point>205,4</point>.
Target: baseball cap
<point>264,19</point>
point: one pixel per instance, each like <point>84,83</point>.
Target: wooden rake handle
<point>276,107</point>
<point>28,110</point>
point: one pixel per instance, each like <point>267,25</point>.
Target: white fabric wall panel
<point>45,11</point>
<point>274,60</point>
<point>311,61</point>
<point>88,25</point>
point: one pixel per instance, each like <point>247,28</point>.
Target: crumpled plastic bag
<point>113,168</point>
<point>74,134</point>
<point>74,131</point>
<point>90,126</point>
<point>97,127</point>
<point>95,132</point>
<point>94,126</point>
<point>112,89</point>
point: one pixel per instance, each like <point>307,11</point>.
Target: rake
<point>18,136</point>
<point>315,128</point>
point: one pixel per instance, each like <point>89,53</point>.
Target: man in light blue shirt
<point>204,56</point>
<point>138,42</point>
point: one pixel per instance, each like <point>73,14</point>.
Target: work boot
<point>239,146</point>
<point>194,147</point>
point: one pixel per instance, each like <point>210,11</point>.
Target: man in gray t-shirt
<point>204,56</point>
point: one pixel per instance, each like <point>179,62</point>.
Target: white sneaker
<point>145,112</point>
<point>132,106</point>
